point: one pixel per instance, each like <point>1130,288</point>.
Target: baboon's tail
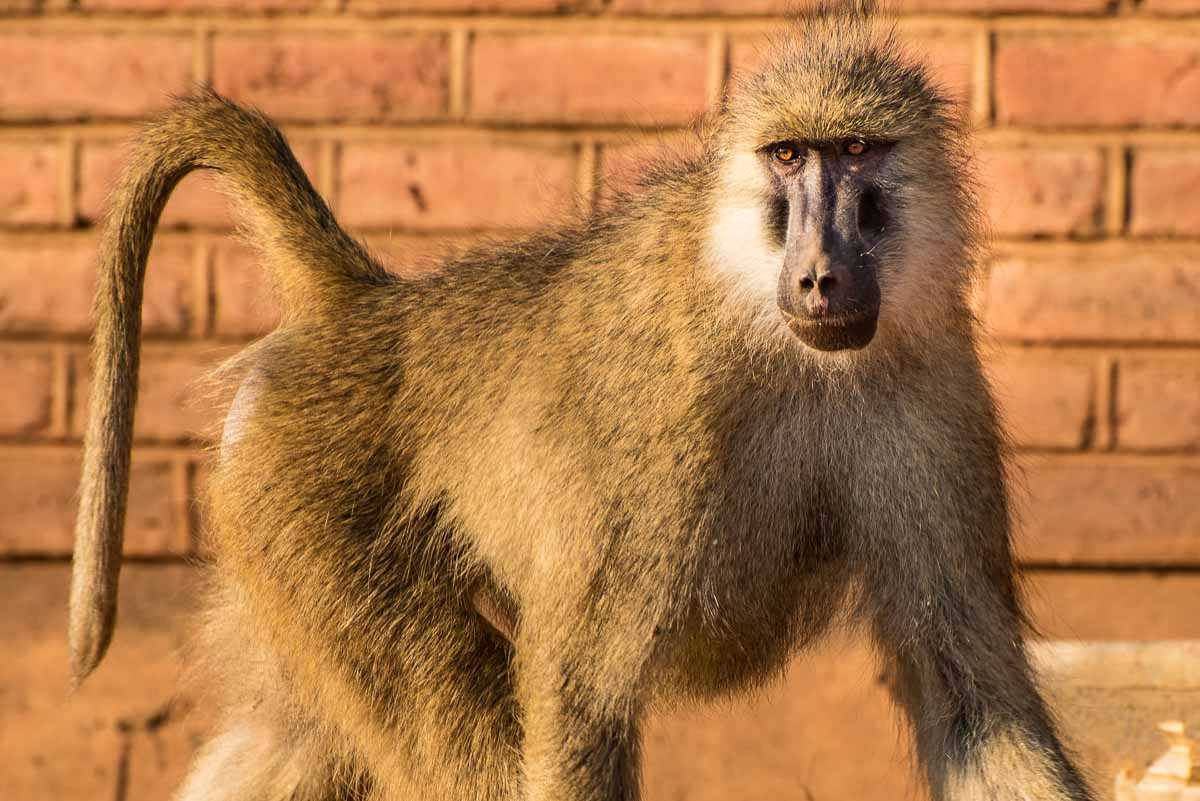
<point>313,258</point>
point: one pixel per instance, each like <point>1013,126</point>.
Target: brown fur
<point>608,432</point>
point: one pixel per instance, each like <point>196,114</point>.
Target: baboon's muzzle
<point>828,287</point>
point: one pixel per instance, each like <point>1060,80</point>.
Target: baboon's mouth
<point>845,332</point>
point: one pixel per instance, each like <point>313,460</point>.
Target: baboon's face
<point>840,207</point>
<point>829,214</point>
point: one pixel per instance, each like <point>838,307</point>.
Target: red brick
<point>1047,401</point>
<point>731,7</point>
<point>1054,80</point>
<point>31,192</point>
<point>1082,295</point>
<point>319,76</point>
<point>1106,511</point>
<point>247,304</point>
<point>595,78</point>
<point>1165,192</point>
<point>1170,6</point>
<point>1038,191</point>
<point>173,404</point>
<point>197,201</point>
<point>621,163</point>
<point>127,732</point>
<point>47,287</point>
<point>802,736</point>
<point>475,6</point>
<point>27,378</point>
<point>1158,402</point>
<point>827,730</point>
<point>445,186</point>
<point>199,5</point>
<point>999,6</point>
<point>68,75</point>
<point>1100,605</point>
<point>410,256</point>
<point>38,492</point>
<point>949,57</point>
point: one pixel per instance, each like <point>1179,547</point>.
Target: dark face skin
<point>830,215</point>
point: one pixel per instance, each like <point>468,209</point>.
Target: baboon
<point>469,527</point>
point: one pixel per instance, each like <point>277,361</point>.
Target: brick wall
<point>430,122</point>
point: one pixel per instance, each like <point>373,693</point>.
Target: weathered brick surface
<point>175,401</point>
<point>72,75</point>
<point>1157,406</point>
<point>1103,605</point>
<point>1165,192</point>
<point>801,737</point>
<point>246,301</point>
<point>432,123</point>
<point>433,186</point>
<point>1171,6</point>
<point>1047,401</point>
<point>415,255</point>
<point>31,193</point>
<point>1037,191</point>
<point>27,377</point>
<point>38,494</point>
<point>999,6</point>
<point>326,76</point>
<point>129,726</point>
<point>756,7</point>
<point>600,78</point>
<point>701,6</point>
<point>472,6</point>
<point>1132,296</point>
<point>1103,511</point>
<point>807,731</point>
<point>827,729</point>
<point>622,164</point>
<point>199,5</point>
<point>46,287</point>
<point>197,201</point>
<point>1049,81</point>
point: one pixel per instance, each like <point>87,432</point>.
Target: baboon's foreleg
<point>983,732</point>
<point>581,667</point>
<point>948,622</point>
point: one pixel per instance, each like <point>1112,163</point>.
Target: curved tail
<point>314,261</point>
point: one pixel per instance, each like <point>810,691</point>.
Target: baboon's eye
<point>857,148</point>
<point>785,154</point>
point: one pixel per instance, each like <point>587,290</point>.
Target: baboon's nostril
<point>826,283</point>
<point>806,283</point>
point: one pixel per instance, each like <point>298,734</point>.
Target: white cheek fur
<point>737,244</point>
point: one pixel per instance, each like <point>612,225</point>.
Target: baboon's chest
<point>771,577</point>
